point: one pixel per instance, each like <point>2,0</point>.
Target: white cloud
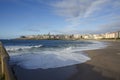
<point>78,8</point>
<point>95,6</point>
<point>75,11</point>
<point>71,8</point>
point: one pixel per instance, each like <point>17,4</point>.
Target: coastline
<point>104,65</point>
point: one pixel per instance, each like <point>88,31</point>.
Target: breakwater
<point>5,69</point>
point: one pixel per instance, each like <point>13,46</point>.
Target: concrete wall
<point>5,67</point>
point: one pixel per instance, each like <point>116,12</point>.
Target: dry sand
<point>106,61</point>
<point>104,65</point>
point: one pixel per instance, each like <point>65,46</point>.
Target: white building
<point>111,35</point>
<point>77,36</point>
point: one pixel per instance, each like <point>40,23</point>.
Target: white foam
<point>54,58</point>
<point>15,48</point>
<point>49,59</point>
<point>95,45</point>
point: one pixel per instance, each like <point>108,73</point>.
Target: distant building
<point>30,37</point>
<point>66,37</point>
<point>111,35</point>
<point>98,36</point>
<point>88,36</point>
<point>57,37</point>
<point>51,37</point>
<point>119,34</point>
<point>85,36</point>
<point>45,36</point>
<point>77,36</point>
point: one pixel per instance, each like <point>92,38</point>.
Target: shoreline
<point>104,65</point>
<point>106,60</point>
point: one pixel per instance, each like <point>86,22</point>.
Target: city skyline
<point>32,17</point>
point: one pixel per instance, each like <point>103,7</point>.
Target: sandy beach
<point>106,61</point>
<point>104,65</point>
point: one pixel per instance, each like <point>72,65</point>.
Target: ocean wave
<point>53,57</point>
<point>49,59</point>
<point>20,48</point>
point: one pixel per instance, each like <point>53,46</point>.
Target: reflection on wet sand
<point>88,72</point>
<point>108,73</point>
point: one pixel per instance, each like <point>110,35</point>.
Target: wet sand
<point>104,65</point>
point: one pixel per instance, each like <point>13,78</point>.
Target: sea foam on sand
<point>53,58</point>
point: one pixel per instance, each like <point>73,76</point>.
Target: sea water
<point>33,54</point>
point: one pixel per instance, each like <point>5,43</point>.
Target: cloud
<point>73,11</point>
<point>78,8</point>
<point>95,6</point>
<point>77,12</point>
<point>70,8</point>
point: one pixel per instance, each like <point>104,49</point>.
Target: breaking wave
<point>33,57</point>
<point>19,48</point>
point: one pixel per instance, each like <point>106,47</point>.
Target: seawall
<point>6,72</point>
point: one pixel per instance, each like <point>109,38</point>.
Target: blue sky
<point>32,17</point>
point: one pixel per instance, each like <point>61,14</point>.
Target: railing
<point>4,63</point>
